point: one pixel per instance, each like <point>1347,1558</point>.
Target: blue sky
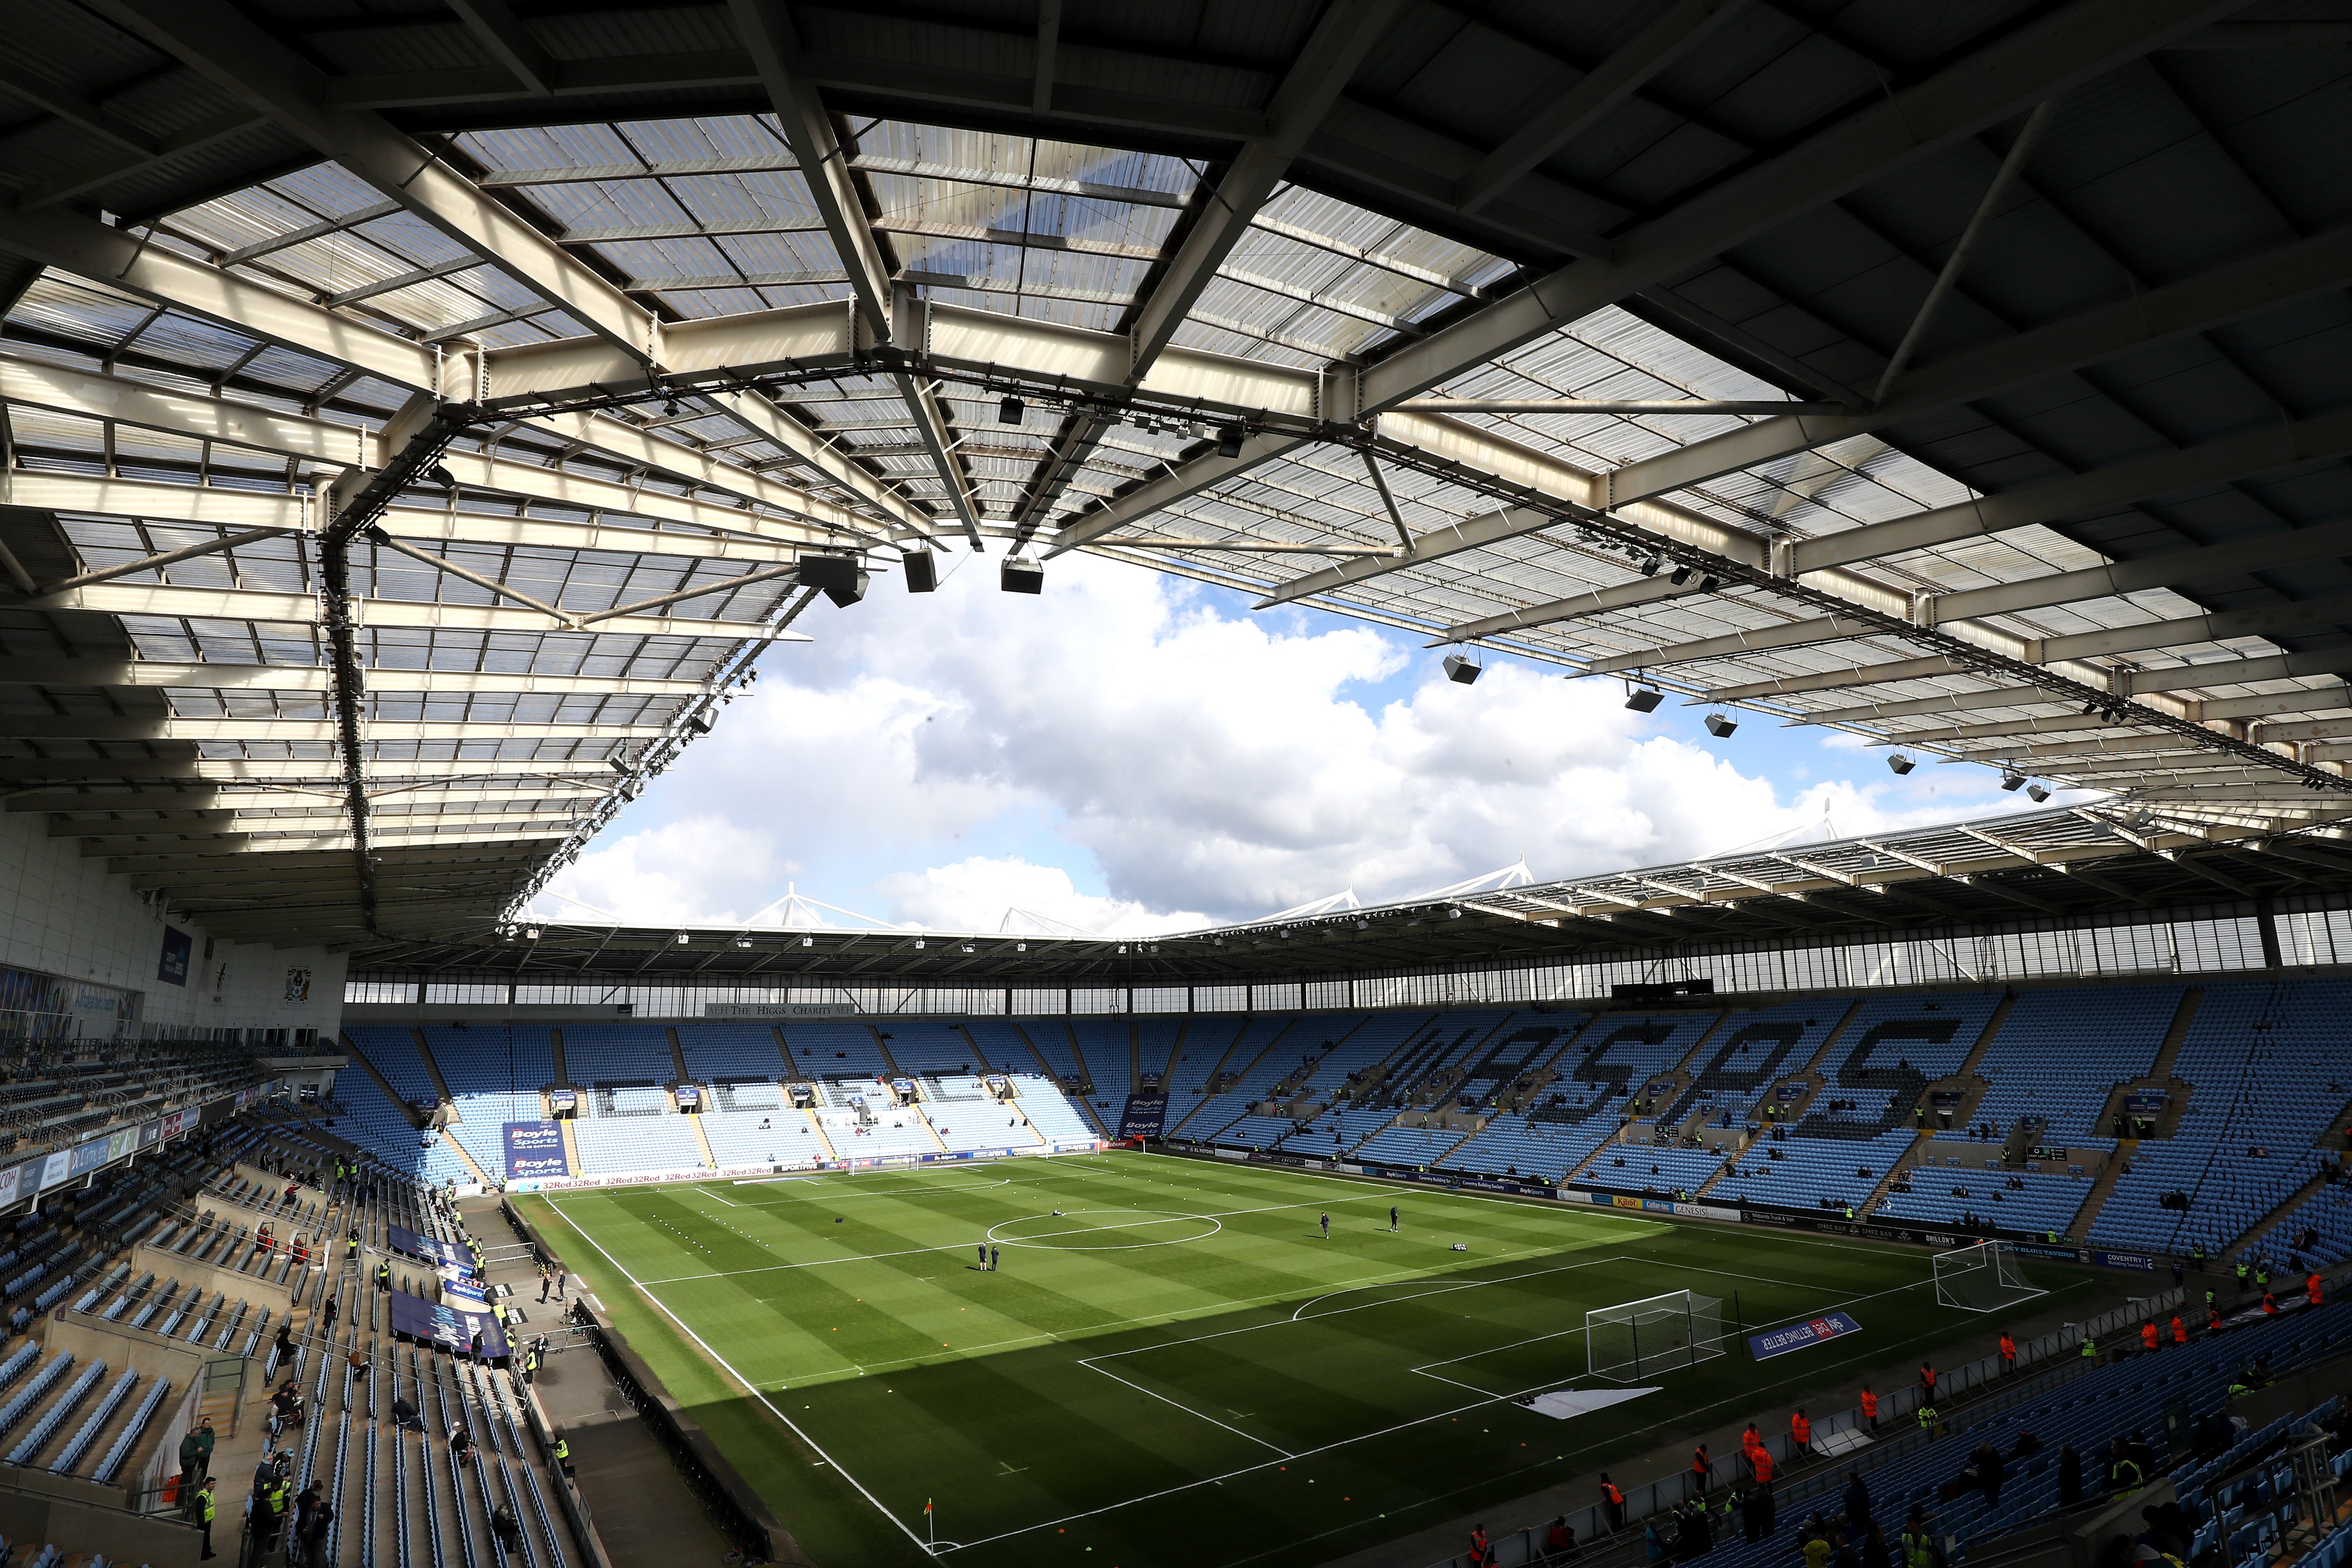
<point>1131,751</point>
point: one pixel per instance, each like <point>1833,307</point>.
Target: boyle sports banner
<point>1799,1336</point>
<point>535,1149</point>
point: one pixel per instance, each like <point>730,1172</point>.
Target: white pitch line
<point>1220,1214</point>
<point>749,1388</point>
<point>1087,1363</point>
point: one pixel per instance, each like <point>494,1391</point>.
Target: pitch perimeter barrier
<point>732,1506</point>
<point>1897,1417</point>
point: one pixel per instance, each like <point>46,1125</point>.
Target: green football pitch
<point>1178,1367</point>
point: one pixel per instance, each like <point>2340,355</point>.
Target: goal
<point>1635,1340</point>
<point>1985,1277</point>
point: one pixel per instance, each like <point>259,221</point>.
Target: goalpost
<point>1985,1277</point>
<point>1635,1340</point>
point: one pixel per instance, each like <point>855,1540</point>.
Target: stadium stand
<point>2062,1052</point>
<point>2266,1069</point>
<point>826,1048</point>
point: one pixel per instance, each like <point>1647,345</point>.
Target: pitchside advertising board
<point>1800,1336</point>
<point>535,1149</point>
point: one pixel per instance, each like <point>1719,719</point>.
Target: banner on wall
<point>445,1324</point>
<point>1800,1336</point>
<point>11,1182</point>
<point>562,1099</point>
<point>778,1009</point>
<point>297,985</point>
<point>179,949</point>
<point>56,1170</point>
<point>535,1149</point>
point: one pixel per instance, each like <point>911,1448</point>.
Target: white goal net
<point>1635,1340</point>
<point>1985,1277</point>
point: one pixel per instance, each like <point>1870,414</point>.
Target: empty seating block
<point>2060,1053</point>
<point>623,1145</point>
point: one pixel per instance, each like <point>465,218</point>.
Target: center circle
<point>1105,1230</point>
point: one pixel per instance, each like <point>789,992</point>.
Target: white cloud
<point>983,894</point>
<point>940,759</point>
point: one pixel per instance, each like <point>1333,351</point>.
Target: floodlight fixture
<point>1463,668</point>
<point>618,762</point>
<point>969,947</point>
<point>2011,782</point>
<point>1229,440</point>
<point>530,933</point>
<point>440,475</point>
<point>808,941</point>
<point>1709,584</point>
<point>2038,793</point>
<point>1649,564</point>
<point>1011,411</point>
<point>744,941</point>
<point>699,722</point>
<point>2092,706</point>
<point>683,939</point>
<point>1020,575</point>
<point>919,944</point>
<point>1901,763</point>
<point>1680,575</point>
<point>1641,699</point>
<point>1720,725</point>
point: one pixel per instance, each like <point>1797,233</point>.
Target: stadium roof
<point>414,417</point>
<point>2049,869</point>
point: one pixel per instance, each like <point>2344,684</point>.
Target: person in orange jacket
<point>2270,1305</point>
<point>1870,1407</point>
<point>2149,1338</point>
<point>2313,1291</point>
<point>1800,1433</point>
<point>2008,1351</point>
<point>1482,1551</point>
<point>2179,1330</point>
<point>1700,1470</point>
<point>1759,1463</point>
<point>1613,1504</point>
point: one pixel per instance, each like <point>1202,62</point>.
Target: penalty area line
<point>749,1388</point>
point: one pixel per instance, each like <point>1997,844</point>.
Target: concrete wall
<point>62,914</point>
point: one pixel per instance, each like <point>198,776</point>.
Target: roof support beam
<point>767,30</point>
<point>1672,34</point>
<point>1342,36</point>
<point>220,506</point>
<point>302,609</point>
<point>498,29</point>
<point>2258,552</point>
<point>2045,57</point>
<point>2226,293</point>
<point>2258,452</point>
<point>156,674</point>
<point>246,61</point>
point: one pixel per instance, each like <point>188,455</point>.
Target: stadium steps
<point>555,1041</point>
<point>1216,1070</point>
<point>702,1142</point>
<point>465,1157</point>
<point>1135,1057</point>
<point>1175,1055</point>
<point>1277,1039</point>
<point>1886,1182</point>
<point>2177,1035</point>
<point>1967,1068</point>
<point>1078,1055</point>
<point>2096,1198</point>
<point>2251,1239</point>
<point>382,1082</point>
<point>923,1120</point>
<point>1830,1042</point>
<point>823,1141</point>
<point>888,1060</point>
<point>677,1056</point>
<point>433,1070</point>
<point>571,1145</point>
<point>1455,1147</point>
<point>1686,1070</point>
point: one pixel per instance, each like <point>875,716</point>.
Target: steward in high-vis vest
<point>1919,1545</point>
<point>384,1275</point>
<point>1612,1503</point>
<point>1870,1407</point>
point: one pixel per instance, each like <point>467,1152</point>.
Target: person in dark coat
<point>1857,1502</point>
<point>2070,1477</point>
